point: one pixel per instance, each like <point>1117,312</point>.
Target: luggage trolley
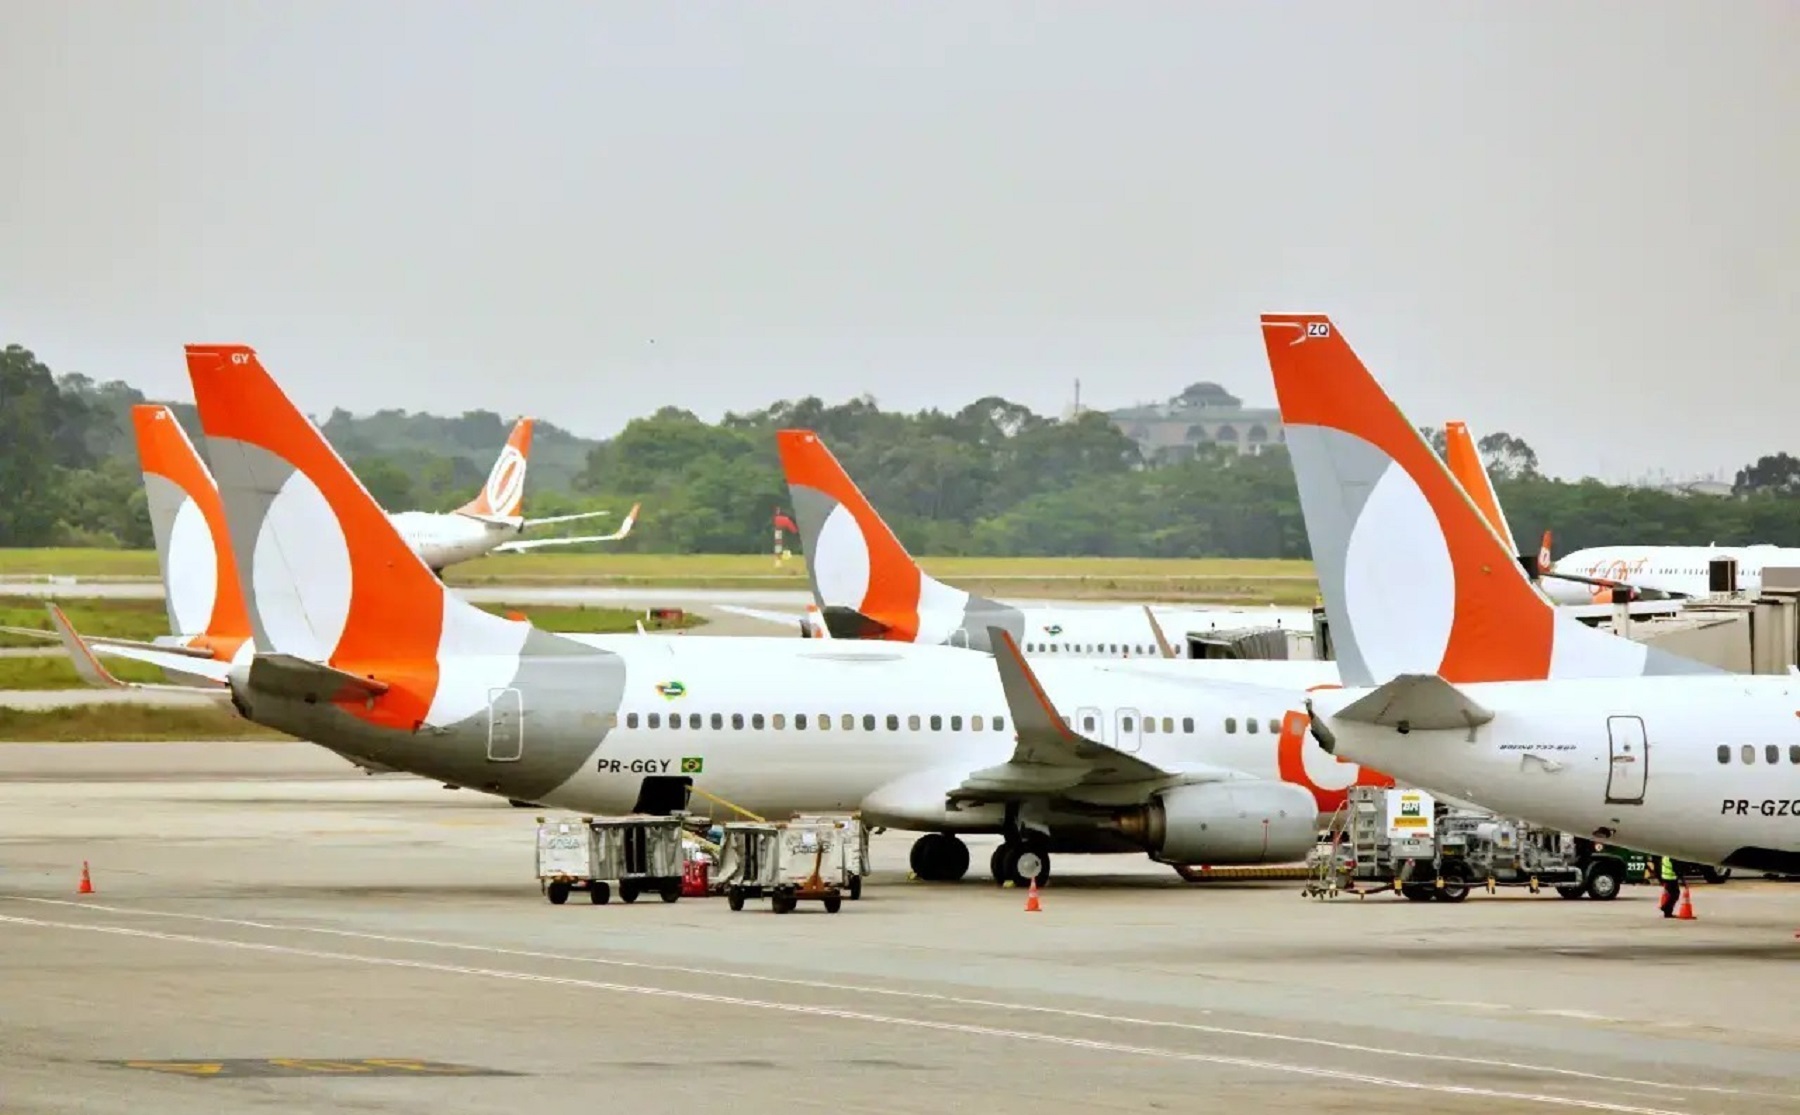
<point>635,855</point>
<point>851,857</point>
<point>787,863</point>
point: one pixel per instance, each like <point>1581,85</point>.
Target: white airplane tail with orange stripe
<point>1415,579</point>
<point>193,549</point>
<point>865,583</point>
<point>502,497</point>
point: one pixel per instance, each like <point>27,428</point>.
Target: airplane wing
<point>1049,757</point>
<point>552,520</point>
<point>92,671</point>
<point>525,545</point>
<point>786,619</point>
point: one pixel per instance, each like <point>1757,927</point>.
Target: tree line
<point>993,478</point>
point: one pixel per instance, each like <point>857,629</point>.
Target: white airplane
<point>489,523</point>
<point>1677,571</point>
<point>866,586</point>
<point>1466,682</point>
<point>360,649</point>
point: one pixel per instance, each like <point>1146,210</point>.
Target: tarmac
<point>271,929</point>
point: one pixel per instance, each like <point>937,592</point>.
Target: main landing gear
<point>1020,862</point>
<point>938,857</point>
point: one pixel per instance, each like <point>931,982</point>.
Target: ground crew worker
<point>1671,881</point>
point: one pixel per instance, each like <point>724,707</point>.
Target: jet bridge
<point>1250,642</point>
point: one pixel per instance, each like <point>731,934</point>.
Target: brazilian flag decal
<point>692,765</point>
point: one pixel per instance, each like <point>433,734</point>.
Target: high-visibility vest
<point>1668,868</point>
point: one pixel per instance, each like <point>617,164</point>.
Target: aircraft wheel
<point>938,857</point>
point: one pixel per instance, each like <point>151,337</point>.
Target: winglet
<point>1162,641</point>
<point>1035,719</point>
<point>87,664</point>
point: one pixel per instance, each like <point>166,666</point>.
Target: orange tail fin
<point>193,543</point>
<point>503,496</point>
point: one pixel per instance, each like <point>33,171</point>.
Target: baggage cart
<point>786,862</point>
<point>851,860</point>
<point>600,855</point>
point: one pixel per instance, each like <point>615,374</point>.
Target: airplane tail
<point>866,585</point>
<point>1546,560</point>
<point>325,576</point>
<point>193,546</point>
<point>1464,462</point>
<point>1415,580</point>
<point>503,496</point>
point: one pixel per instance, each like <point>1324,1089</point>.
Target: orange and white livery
<point>491,522</point>
<point>1459,605</point>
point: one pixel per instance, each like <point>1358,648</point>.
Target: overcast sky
<point>1576,222</point>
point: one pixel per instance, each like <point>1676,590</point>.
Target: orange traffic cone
<point>1031,899</point>
<point>1685,911</point>
<point>87,882</point>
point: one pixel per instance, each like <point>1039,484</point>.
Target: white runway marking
<point>898,993</point>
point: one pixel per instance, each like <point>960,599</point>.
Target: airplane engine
<point>1221,823</point>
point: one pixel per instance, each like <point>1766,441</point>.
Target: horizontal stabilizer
<point>526,545</point>
<point>1421,702</point>
<point>285,675</point>
<point>91,670</point>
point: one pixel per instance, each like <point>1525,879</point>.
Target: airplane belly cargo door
<point>1629,769</point>
<point>506,726</point>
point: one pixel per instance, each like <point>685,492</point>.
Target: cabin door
<point>506,726</point>
<point>1629,768</point>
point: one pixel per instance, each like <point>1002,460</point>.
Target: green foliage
<point>991,479</point>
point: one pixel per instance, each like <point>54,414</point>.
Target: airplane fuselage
<point>1707,770</point>
<point>1677,570</point>
<point>776,726</point>
<point>445,539</point>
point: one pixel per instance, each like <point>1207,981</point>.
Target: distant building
<point>1203,414</point>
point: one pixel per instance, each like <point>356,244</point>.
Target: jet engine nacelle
<point>1222,823</point>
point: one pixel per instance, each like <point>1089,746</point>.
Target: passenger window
<point>1274,726</point>
<point>778,721</point>
<point>1250,724</point>
<point>611,720</point>
<point>1187,725</point>
<point>756,721</point>
<point>1149,725</point>
<point>1724,753</point>
<point>1794,752</point>
<point>718,721</point>
<point>631,720</point>
<point>655,720</point>
<point>824,722</point>
<point>956,723</point>
<point>1087,725</point>
<point>800,721</point>
<point>893,723</point>
<point>1772,754</point>
<point>999,723</point>
<point>868,722</point>
<point>912,722</point>
<point>1128,725</point>
<point>847,722</point>
<point>1168,725</point>
<point>675,721</point>
<point>1749,753</point>
<point>937,723</point>
<point>975,723</point>
<point>1230,725</point>
<point>737,721</point>
<point>694,721</point>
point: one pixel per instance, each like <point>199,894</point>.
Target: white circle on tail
<point>506,484</point>
<point>1399,582</point>
<point>840,560</point>
<point>192,571</point>
<point>301,572</point>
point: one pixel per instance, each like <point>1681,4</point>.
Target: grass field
<point>1202,579</point>
<point>127,724</point>
<point>146,619</point>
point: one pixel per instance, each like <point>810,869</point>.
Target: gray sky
<point>1575,222</point>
